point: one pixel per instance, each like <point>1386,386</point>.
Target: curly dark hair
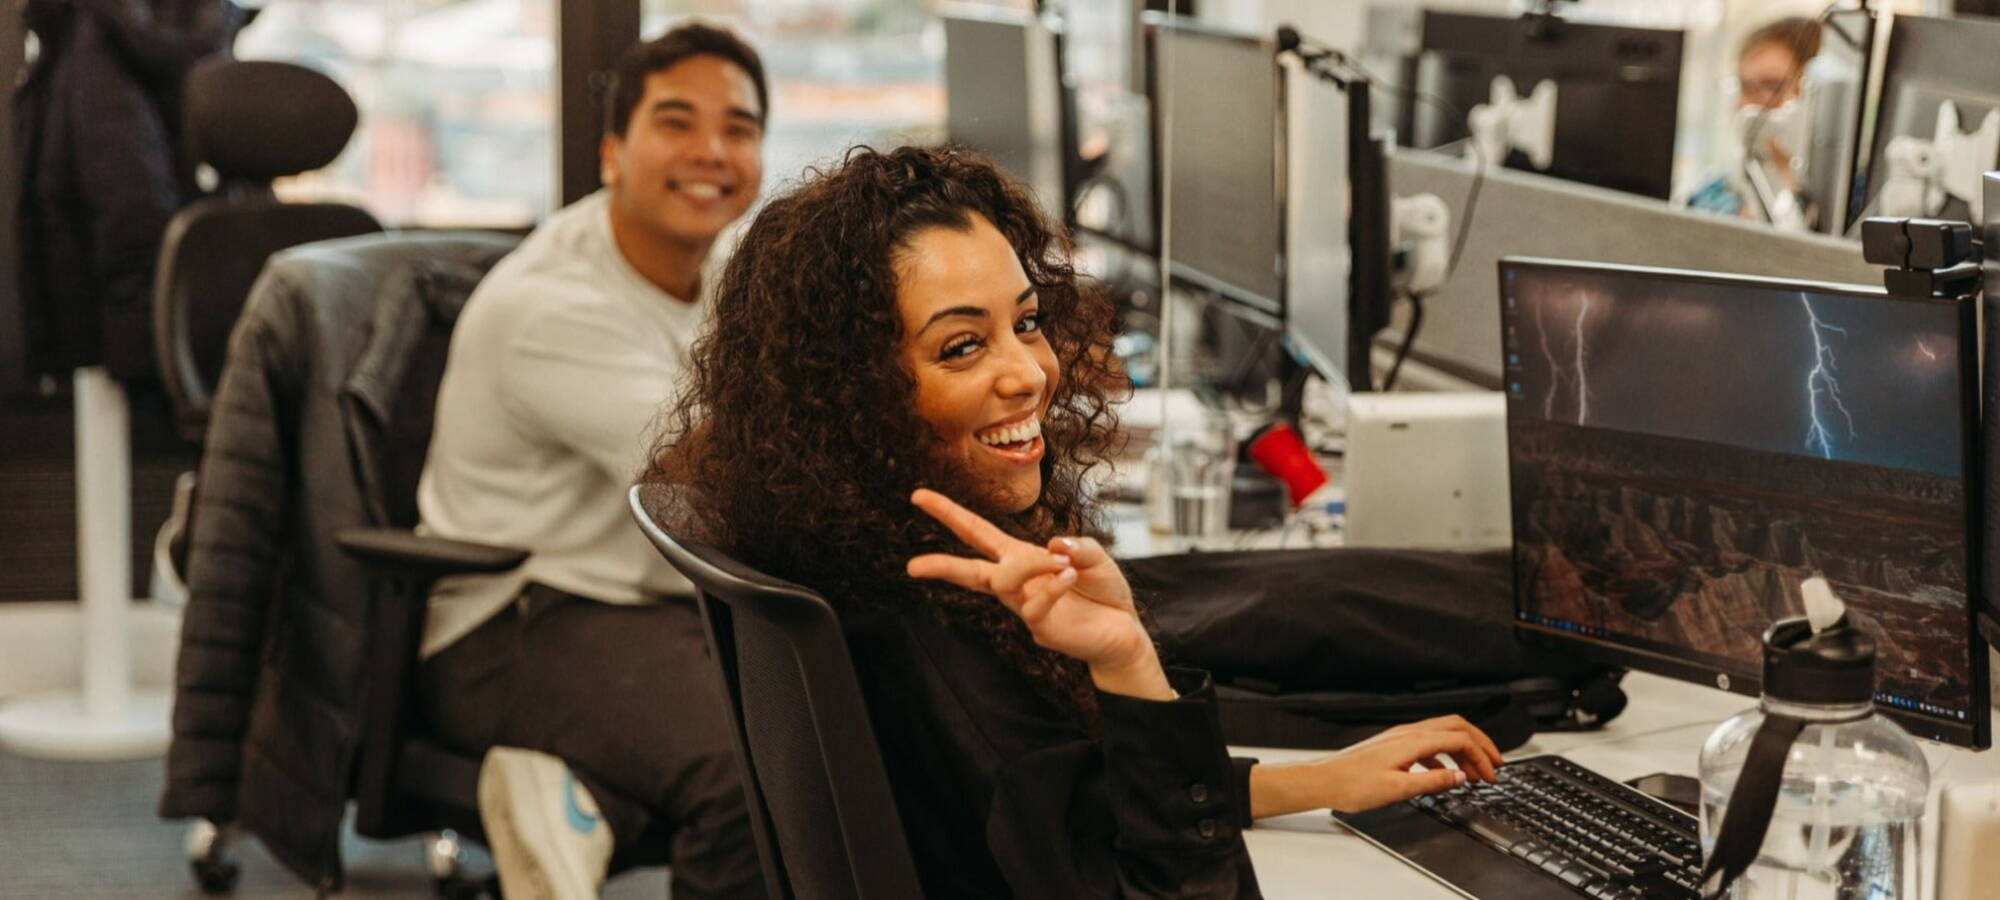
<point>797,442</point>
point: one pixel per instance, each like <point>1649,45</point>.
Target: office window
<point>457,104</point>
<point>842,72</point>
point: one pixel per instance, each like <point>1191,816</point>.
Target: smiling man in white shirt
<point>583,675</point>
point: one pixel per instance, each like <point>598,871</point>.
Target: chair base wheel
<point>215,876</point>
<point>207,847</point>
<point>459,887</point>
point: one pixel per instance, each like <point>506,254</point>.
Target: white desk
<point>1661,730</point>
<point>1311,855</point>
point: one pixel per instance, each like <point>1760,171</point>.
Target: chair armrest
<point>405,551</point>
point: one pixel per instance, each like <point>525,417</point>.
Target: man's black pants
<point>628,698</point>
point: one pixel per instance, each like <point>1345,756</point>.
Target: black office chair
<point>824,819</point>
<point>251,122</point>
<point>404,782</point>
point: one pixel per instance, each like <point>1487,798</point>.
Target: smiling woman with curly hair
<point>904,331</point>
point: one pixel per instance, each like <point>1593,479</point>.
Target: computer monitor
<point>1114,192</point>
<point>1686,448</point>
<point>1338,228</point>
<point>1524,214</point>
<point>1293,230</point>
<point>1833,87</point>
<point>1219,104</point>
<point>1617,91</point>
<point>1927,64</point>
<point>1004,97</point>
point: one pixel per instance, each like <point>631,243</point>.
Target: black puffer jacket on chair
<point>272,657</point>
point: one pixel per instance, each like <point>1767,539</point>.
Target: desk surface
<point>1661,730</point>
<point>1310,855</point>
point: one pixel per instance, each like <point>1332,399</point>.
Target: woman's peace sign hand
<point>1069,593</point>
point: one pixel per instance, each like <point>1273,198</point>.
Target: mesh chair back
<point>251,121</point>
<point>825,820</point>
<point>209,257</point>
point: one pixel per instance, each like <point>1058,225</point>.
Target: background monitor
<point>1337,225</point>
<point>1666,511</point>
<point>1524,214</point>
<point>1115,193</point>
<point>1617,91</point>
<point>1927,62</point>
<point>1833,87</point>
<point>1004,97</point>
<point>1219,108</point>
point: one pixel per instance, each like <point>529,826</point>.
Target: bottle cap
<point>1832,666</point>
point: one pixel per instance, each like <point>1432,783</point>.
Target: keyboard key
<point>1647,866</point>
<point>1490,828</point>
<point>1598,836</point>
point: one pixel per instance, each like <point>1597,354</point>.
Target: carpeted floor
<point>87,830</point>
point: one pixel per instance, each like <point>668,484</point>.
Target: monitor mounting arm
<point>1510,122</point>
<point>1924,258</point>
<point>1326,63</point>
<point>1422,224</point>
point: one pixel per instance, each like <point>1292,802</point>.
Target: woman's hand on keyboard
<point>1379,771</point>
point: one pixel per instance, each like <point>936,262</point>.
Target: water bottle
<point>1812,795</point>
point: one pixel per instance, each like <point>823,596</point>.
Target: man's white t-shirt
<point>560,369</point>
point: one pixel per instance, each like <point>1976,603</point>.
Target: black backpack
<point>1320,648</point>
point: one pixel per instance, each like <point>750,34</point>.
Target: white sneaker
<point>547,838</point>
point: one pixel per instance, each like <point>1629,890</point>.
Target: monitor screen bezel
<point>1976,731</point>
<point>1529,52</point>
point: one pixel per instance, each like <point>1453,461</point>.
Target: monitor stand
<point>1922,175</point>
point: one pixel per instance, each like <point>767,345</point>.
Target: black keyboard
<point>1599,837</point>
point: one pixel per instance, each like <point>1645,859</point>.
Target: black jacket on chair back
<point>97,132</point>
<point>320,422</point>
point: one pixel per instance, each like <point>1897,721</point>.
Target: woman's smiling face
<point>972,339</point>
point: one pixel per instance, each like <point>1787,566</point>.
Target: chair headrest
<point>263,120</point>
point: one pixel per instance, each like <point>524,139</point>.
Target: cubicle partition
<point>1524,214</point>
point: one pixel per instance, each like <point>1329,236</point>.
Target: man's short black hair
<point>663,52</point>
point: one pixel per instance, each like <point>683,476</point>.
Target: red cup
<point>1283,453</point>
